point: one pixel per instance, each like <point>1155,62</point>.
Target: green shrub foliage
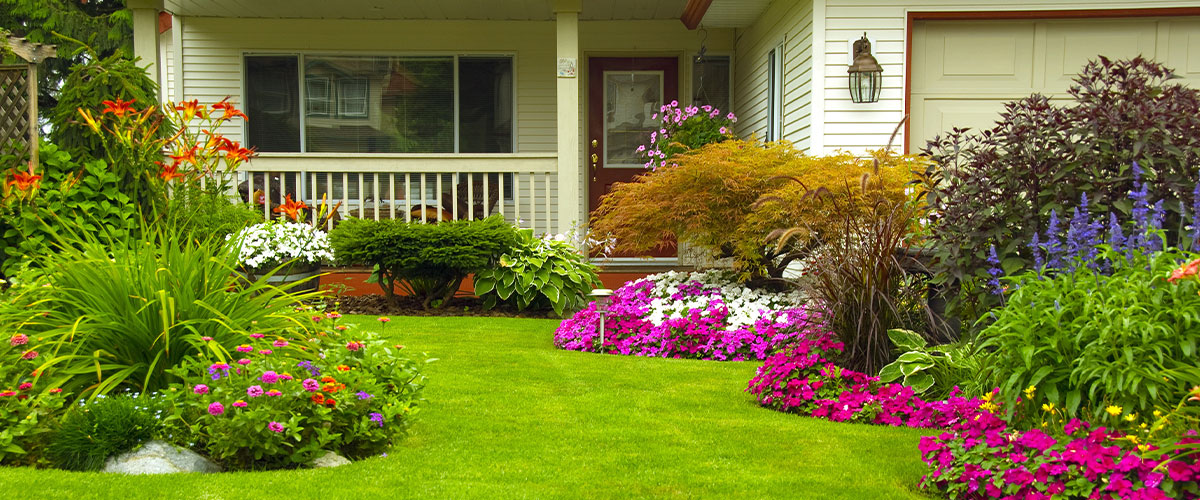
<point>109,314</point>
<point>539,273</point>
<point>1086,340</point>
<point>92,432</point>
<point>200,214</point>
<point>998,186</point>
<point>432,258</point>
<point>84,197</point>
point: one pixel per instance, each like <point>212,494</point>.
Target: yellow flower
<point>1048,407</point>
<point>1132,438</point>
<point>1114,410</point>
<point>1030,391</point>
<point>1157,413</point>
<point>1143,425</point>
<point>1132,417</point>
<point>1143,447</point>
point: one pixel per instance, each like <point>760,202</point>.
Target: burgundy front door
<point>624,94</point>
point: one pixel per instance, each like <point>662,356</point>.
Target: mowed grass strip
<point>510,416</point>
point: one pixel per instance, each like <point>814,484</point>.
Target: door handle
<point>595,159</point>
<point>594,143</point>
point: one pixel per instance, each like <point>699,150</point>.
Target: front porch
<point>331,94</point>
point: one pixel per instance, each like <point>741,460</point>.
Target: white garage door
<point>964,71</point>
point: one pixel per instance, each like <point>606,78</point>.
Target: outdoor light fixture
<point>603,298</point>
<point>866,76</point>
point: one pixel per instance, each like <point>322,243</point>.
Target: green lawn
<point>510,416</point>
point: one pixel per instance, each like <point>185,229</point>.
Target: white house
<point>529,107</point>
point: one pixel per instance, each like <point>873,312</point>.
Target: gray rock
<point>329,459</point>
<point>158,457</point>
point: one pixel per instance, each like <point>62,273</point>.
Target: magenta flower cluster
<point>802,379</point>
<point>984,459</point>
<point>693,320</point>
<point>683,128</point>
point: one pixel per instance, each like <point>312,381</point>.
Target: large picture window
<point>386,104</point>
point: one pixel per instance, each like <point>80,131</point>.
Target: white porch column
<point>570,178</point>
<point>145,34</point>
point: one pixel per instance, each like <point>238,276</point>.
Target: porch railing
<point>426,188</point>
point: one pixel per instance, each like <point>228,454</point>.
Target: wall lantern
<point>866,76</point>
<point>603,298</point>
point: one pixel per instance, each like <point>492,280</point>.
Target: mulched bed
<point>377,305</point>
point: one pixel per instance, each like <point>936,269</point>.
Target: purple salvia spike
<point>995,271</point>
<point>1195,234</point>
<point>1053,246</point>
<point>1036,248</point>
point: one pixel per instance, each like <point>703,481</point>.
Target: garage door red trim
<point>1011,15</point>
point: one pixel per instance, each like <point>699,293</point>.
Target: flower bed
<point>688,315</point>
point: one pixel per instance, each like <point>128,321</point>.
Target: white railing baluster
<point>454,196</point>
<point>424,202</point>
<point>392,195</point>
<point>375,192</point>
<point>470,196</point>
<point>266,195</point>
<point>437,197</point>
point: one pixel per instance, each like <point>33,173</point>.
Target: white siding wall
<point>858,127</point>
<point>788,23</point>
<point>213,48</point>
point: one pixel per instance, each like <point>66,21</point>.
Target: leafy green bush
<point>934,371</point>
<point>119,313</point>
<point>999,186</point>
<point>1085,340</point>
<point>201,214</point>
<point>435,257</point>
<point>349,392</point>
<point>540,273</point>
<point>85,197</point>
<point>90,433</point>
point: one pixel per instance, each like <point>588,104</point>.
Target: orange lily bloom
<point>119,107</point>
<point>169,172</point>
<point>191,109</point>
<point>25,181</point>
<point>188,156</point>
<point>291,208</point>
<point>1189,269</point>
<point>228,110</point>
<point>238,154</point>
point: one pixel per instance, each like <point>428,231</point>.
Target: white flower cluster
<point>745,306</point>
<point>276,242</point>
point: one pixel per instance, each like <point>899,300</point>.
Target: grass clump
<point>107,426</point>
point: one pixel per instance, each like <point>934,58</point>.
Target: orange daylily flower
<point>188,156</point>
<point>238,154</point>
<point>1189,269</point>
<point>191,109</point>
<point>119,107</point>
<point>291,208</point>
<point>1195,394</point>
<point>25,181</point>
<point>169,172</point>
<point>228,110</point>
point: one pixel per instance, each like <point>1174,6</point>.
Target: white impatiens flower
<point>745,306</point>
<point>276,242</point>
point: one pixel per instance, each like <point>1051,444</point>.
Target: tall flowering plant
<point>28,403</point>
<point>282,403</point>
<point>683,129</point>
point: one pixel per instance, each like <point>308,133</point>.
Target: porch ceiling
<point>733,13</point>
<point>511,10</point>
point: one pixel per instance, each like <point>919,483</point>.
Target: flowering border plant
<point>28,406</point>
<point>281,403</point>
<point>702,315</point>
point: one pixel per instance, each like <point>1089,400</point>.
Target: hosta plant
<point>933,371</point>
<point>539,273</point>
<point>270,407</point>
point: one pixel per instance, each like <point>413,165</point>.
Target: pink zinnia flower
<point>55,390</point>
<point>216,408</point>
<point>354,345</point>
<point>384,319</point>
<point>200,389</point>
<point>275,426</point>
<point>274,392</point>
<point>239,403</point>
<point>333,315</point>
<point>317,319</point>
<point>311,385</point>
<point>269,377</point>
<point>206,339</point>
<point>265,352</point>
<point>280,343</point>
<point>25,386</point>
<point>243,362</point>
<point>254,391</point>
<point>8,393</point>
<point>18,339</point>
<point>257,335</point>
<point>340,328</point>
<point>244,348</point>
<point>29,354</point>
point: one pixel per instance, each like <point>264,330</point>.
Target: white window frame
<point>775,68</point>
<point>314,101</point>
<point>354,106</point>
<point>301,56</point>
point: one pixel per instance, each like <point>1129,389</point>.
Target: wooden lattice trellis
<point>18,99</point>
